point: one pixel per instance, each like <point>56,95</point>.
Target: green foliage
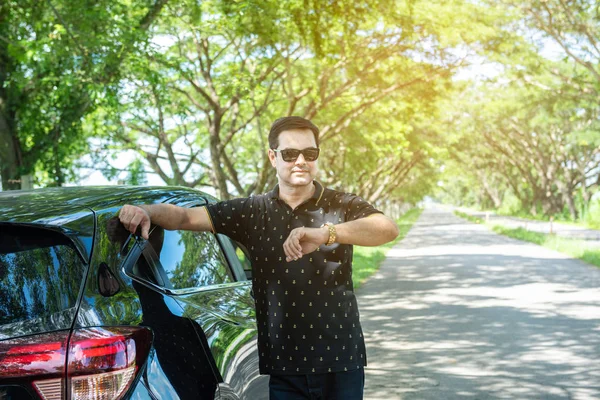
<point>192,88</point>
<point>592,217</point>
<point>511,205</point>
<point>60,61</point>
<point>532,132</point>
<point>136,175</point>
<point>522,135</point>
<point>203,92</point>
<point>468,217</point>
<point>574,248</point>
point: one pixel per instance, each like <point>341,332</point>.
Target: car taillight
<point>101,363</point>
<point>40,359</point>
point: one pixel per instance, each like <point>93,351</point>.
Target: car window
<point>40,273</point>
<point>188,259</point>
<point>243,256</point>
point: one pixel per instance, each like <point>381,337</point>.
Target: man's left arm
<point>372,230</point>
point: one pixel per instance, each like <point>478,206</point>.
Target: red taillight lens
<point>40,359</point>
<point>101,362</point>
<point>100,349</point>
<point>42,355</point>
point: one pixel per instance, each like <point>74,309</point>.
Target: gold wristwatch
<point>332,233</point>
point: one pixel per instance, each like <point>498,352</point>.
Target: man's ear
<point>272,158</point>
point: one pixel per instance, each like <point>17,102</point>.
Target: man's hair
<point>287,123</point>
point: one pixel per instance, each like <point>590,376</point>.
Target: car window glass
<point>243,256</point>
<point>189,259</point>
<point>145,267</point>
<point>40,273</point>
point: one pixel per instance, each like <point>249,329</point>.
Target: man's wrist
<point>325,230</point>
<point>331,233</point>
<point>146,209</point>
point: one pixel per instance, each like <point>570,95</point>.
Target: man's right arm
<point>167,216</point>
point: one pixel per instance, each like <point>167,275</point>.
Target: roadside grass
<point>584,223</point>
<point>367,260</point>
<point>574,248</point>
<point>468,217</point>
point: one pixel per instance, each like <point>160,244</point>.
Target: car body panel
<point>44,205</point>
<point>71,208</point>
<point>204,340</point>
<point>226,317</point>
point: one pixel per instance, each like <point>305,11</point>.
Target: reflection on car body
<point>88,304</point>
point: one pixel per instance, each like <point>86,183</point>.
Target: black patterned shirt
<point>306,310</point>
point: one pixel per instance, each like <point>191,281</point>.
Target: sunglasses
<point>289,155</point>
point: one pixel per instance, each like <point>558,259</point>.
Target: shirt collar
<point>274,194</point>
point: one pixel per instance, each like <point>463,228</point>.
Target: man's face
<point>299,172</point>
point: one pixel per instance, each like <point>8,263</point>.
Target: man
<point>300,238</point>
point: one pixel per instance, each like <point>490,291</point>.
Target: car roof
<point>65,205</point>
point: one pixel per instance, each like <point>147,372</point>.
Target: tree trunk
<point>567,194</point>
<point>10,148</point>
<point>491,192</point>
<point>219,178</point>
<point>10,152</point>
<point>571,204</point>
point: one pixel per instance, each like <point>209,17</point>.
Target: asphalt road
<point>459,312</point>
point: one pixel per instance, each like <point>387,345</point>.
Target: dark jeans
<point>328,386</point>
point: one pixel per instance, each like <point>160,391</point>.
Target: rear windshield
<point>40,273</point>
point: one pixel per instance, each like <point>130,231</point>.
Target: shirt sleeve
<point>231,218</point>
<point>357,207</point>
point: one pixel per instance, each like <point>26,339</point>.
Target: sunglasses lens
<point>310,154</point>
<point>290,154</point>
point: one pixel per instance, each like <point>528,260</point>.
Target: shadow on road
<point>459,312</point>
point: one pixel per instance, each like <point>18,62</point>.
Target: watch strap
<point>332,233</point>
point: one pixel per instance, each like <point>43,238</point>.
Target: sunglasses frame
<point>298,155</point>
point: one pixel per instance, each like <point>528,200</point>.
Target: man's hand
<point>133,217</point>
<point>303,241</point>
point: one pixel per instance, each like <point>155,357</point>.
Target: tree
<point>528,137</point>
<point>226,70</point>
<point>58,62</point>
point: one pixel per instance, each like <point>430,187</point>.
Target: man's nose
<point>300,160</point>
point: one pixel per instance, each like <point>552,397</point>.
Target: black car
<point>88,311</point>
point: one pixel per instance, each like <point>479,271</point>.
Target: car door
<point>179,367</point>
<point>203,274</point>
